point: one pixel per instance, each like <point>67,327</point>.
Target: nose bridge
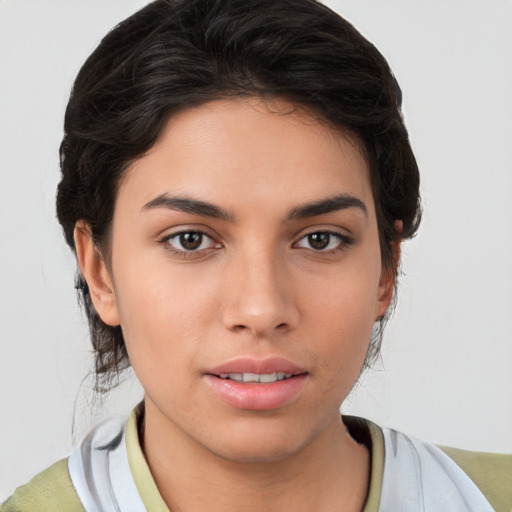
<point>259,298</point>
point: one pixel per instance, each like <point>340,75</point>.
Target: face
<point>246,275</point>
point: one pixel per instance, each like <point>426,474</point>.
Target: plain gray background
<point>446,370</point>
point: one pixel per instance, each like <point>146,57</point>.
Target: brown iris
<point>191,241</point>
<point>319,240</point>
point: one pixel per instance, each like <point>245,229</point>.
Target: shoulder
<point>491,472</point>
<point>481,480</point>
<point>49,490</point>
<point>408,471</point>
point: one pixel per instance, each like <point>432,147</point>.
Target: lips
<point>257,385</point>
<point>257,366</point>
<point>262,378</point>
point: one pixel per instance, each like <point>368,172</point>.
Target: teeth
<point>256,377</point>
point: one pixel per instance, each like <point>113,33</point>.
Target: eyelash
<point>344,242</point>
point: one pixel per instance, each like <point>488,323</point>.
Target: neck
<point>330,473</point>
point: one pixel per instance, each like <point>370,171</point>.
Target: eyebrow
<point>188,205</point>
<point>203,208</point>
<point>331,204</point>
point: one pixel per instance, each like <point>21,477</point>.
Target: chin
<point>259,443</point>
<point>255,454</point>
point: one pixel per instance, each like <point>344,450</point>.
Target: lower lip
<point>257,396</point>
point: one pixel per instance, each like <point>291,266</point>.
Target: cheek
<point>345,335</point>
<point>345,298</point>
<point>165,312</point>
<point>340,314</point>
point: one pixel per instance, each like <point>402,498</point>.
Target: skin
<point>255,287</point>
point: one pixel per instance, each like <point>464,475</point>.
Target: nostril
<point>243,327</point>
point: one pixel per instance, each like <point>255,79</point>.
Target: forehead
<point>245,152</point>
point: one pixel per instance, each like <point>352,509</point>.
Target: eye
<point>190,241</point>
<point>323,241</point>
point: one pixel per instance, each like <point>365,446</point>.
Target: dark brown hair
<point>175,54</point>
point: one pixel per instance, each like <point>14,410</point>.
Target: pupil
<point>191,241</point>
<point>319,240</point>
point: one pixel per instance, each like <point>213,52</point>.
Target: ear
<point>96,274</point>
<point>388,276</point>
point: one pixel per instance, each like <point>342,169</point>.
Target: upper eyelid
<point>336,234</point>
<point>168,233</point>
<point>337,231</point>
<point>170,236</point>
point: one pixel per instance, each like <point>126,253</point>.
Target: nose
<point>259,296</point>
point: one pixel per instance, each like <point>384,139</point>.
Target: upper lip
<point>259,366</point>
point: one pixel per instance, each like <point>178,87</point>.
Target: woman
<point>236,190</point>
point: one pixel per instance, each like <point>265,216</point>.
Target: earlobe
<point>96,274</point>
